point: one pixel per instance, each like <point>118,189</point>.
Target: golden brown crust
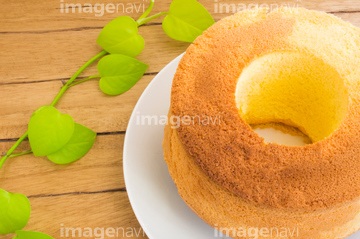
<point>319,175</point>
<point>236,216</point>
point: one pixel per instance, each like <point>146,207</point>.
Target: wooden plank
<point>56,215</point>
<point>58,55</point>
<point>43,15</point>
<point>353,18</point>
<point>100,170</point>
<point>84,102</point>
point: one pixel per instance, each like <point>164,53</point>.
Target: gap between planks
<point>144,25</point>
<point>98,134</point>
<point>78,193</point>
<point>79,78</point>
<point>71,29</point>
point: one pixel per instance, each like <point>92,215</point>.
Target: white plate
<point>154,198</point>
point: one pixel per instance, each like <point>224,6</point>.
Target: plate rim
<point>126,140</point>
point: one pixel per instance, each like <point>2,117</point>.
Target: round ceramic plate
<point>153,195</point>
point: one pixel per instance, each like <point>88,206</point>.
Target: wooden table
<point>40,46</point>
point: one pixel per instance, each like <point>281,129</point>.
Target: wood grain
<point>100,170</point>
<point>56,215</point>
<point>41,46</point>
<point>58,55</point>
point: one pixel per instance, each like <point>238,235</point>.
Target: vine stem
<point>148,10</point>
<point>145,20</point>
<point>81,81</point>
<point>11,150</point>
<point>20,154</point>
<point>67,85</point>
<point>57,98</point>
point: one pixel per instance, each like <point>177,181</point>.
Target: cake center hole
<point>291,98</point>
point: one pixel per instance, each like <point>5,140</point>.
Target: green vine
<point>56,135</point>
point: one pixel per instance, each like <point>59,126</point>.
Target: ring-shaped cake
<point>297,67</point>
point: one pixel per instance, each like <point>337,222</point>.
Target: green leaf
<point>119,73</point>
<point>49,130</point>
<point>80,143</point>
<point>31,235</point>
<point>120,36</point>
<point>187,19</point>
<point>14,212</point>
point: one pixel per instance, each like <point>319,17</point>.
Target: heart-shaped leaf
<point>119,73</point>
<point>31,235</point>
<point>14,212</point>
<point>80,143</point>
<point>187,19</point>
<point>49,130</point>
<point>120,36</point>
